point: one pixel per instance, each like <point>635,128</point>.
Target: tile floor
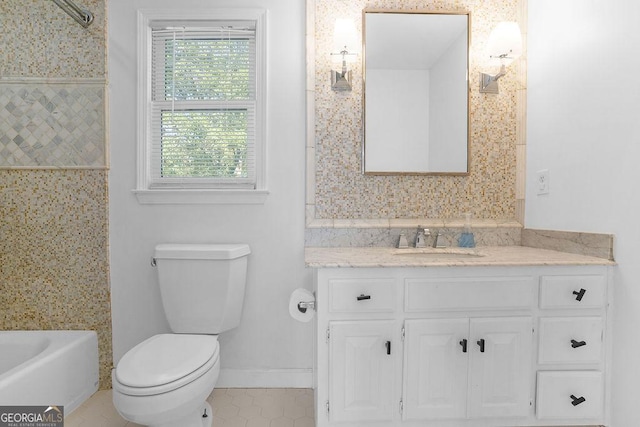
<point>232,407</point>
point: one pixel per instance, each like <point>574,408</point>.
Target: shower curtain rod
<point>82,16</point>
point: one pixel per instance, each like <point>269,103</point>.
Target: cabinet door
<point>500,367</point>
<point>436,363</point>
<point>362,370</point>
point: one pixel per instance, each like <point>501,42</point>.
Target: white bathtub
<point>48,368</point>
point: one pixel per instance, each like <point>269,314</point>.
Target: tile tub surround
<point>53,222</point>
<point>54,254</point>
<point>337,189</point>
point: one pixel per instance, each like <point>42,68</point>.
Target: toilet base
<point>208,420</point>
<point>182,407</point>
<point>195,419</point>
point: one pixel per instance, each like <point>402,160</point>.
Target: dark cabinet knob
<point>463,343</point>
<point>579,294</point>
<point>388,345</point>
<point>481,344</point>
<point>576,344</point>
<point>575,401</point>
<point>363,297</point>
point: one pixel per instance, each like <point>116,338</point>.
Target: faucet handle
<point>402,241</point>
<point>437,241</point>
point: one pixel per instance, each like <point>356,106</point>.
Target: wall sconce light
<point>503,47</point>
<point>345,49</point>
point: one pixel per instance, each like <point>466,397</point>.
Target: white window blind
<point>203,104</point>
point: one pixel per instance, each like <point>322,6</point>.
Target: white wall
<point>584,127</point>
<point>268,340</point>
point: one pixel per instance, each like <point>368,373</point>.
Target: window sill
<point>201,197</point>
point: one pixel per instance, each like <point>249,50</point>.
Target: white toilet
<point>165,380</point>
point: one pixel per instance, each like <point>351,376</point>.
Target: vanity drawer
<point>568,340</point>
<point>572,291</point>
<point>362,295</point>
<point>509,293</point>
<point>575,395</point>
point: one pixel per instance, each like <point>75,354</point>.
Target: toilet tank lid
<point>201,251</point>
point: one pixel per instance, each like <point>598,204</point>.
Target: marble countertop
<point>323,257</point>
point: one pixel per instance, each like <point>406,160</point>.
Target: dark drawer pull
<point>579,294</point>
<point>388,345</point>
<point>463,343</point>
<point>575,401</point>
<point>576,344</point>
<point>481,344</point>
<point>363,297</point>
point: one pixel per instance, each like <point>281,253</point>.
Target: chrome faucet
<point>421,237</point>
<point>437,241</point>
<point>402,242</point>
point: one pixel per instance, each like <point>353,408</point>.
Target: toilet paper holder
<point>303,306</point>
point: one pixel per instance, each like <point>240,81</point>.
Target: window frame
<point>185,190</point>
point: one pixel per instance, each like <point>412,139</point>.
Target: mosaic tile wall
<point>338,189</point>
<point>54,266</point>
<point>40,40</point>
<point>54,254</point>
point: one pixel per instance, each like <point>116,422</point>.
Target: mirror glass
<point>416,93</point>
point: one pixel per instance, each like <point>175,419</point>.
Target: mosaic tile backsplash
<point>59,125</point>
<point>340,189</point>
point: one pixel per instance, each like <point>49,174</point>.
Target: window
<point>202,104</point>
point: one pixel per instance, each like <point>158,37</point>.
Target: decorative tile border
<point>52,124</point>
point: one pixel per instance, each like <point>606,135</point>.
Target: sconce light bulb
<point>505,43</point>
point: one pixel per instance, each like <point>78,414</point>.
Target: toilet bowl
<point>165,380</point>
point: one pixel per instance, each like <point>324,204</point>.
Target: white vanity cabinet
<point>467,368</point>
<point>462,346</point>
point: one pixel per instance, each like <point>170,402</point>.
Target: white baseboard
<point>265,378</point>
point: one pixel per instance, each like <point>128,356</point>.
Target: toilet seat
<point>164,363</point>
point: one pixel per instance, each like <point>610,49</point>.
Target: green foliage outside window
<point>206,142</point>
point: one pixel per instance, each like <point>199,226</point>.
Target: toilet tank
<point>202,285</point>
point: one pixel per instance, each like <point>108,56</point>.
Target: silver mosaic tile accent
<point>57,125</point>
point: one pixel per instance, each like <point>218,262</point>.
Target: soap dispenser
<point>466,239</point>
